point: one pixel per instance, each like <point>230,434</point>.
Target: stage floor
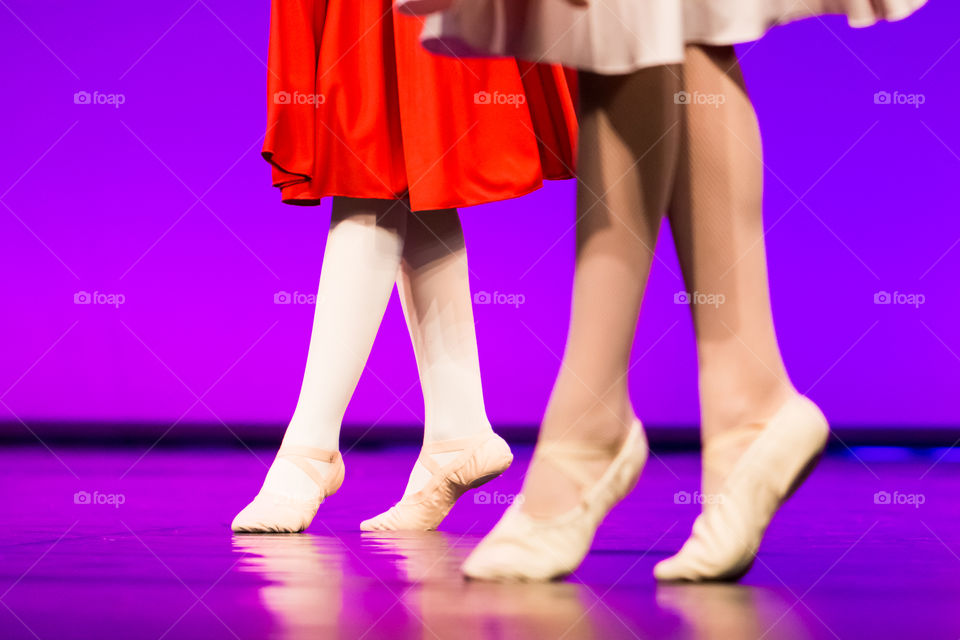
<point>125,543</point>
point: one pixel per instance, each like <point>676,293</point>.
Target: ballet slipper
<point>481,459</point>
<point>272,512</point>
<point>522,547</point>
<point>727,534</point>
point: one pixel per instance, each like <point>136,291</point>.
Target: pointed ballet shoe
<point>727,534</point>
<point>481,459</point>
<point>521,547</point>
<point>272,512</point>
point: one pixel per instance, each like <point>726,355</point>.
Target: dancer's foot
<point>732,429</point>
<point>727,535</point>
<point>454,467</point>
<point>298,481</point>
<point>524,547</point>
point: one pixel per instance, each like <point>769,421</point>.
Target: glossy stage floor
<point>121,543</point>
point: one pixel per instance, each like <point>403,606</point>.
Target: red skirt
<point>357,108</point>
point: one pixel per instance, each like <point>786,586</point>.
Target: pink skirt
<point>619,36</point>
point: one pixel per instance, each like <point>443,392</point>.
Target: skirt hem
<point>443,37</point>
<point>316,200</point>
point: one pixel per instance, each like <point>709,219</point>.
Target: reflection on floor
<point>115,543</point>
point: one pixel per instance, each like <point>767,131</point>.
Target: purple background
<point>166,201</point>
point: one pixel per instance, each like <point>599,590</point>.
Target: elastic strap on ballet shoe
<point>568,457</point>
<point>466,447</point>
<point>299,456</point>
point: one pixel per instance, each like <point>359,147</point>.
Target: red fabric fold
<point>356,107</point>
<point>292,70</point>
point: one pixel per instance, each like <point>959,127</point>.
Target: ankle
<point>302,433</point>
<point>601,428</point>
<point>455,428</point>
<point>739,412</point>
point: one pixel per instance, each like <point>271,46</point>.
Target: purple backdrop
<point>164,204</point>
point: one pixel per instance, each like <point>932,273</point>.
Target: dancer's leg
<point>628,140</point>
<point>628,147</point>
<point>360,262</point>
<point>364,249</point>
<point>434,286</point>
<point>759,435</point>
<point>717,221</point>
<point>434,289</point>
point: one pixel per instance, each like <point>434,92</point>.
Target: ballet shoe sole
<point>459,490</point>
<point>739,572</point>
<point>260,532</point>
<point>249,531</point>
<point>482,480</point>
<point>804,474</point>
<point>736,573</point>
<point>331,485</point>
<point>462,489</point>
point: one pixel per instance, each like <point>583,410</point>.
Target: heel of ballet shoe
<point>803,428</point>
<point>489,460</point>
<point>336,479</point>
<point>727,536</point>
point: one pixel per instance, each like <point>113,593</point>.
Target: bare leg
<point>717,219</point>
<point>590,449</point>
<point>760,437</point>
<point>629,139</point>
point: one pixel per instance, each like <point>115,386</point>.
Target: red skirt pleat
<point>357,108</point>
